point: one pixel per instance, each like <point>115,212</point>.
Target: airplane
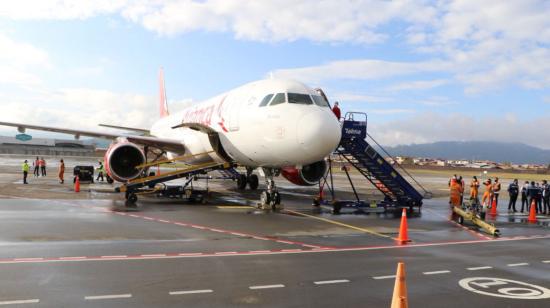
<point>281,126</point>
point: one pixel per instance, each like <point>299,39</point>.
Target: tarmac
<point>63,249</point>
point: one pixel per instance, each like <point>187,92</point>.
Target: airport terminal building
<point>44,146</point>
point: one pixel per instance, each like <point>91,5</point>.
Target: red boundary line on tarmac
<point>224,231</point>
<point>256,252</point>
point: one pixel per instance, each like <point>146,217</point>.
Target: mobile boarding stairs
<point>355,150</point>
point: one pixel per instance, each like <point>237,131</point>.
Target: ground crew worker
<point>462,188</point>
<point>42,164</point>
<point>25,168</point>
<point>524,199</point>
<point>100,172</point>
<point>545,197</point>
<point>539,198</point>
<point>336,111</point>
<point>488,194</point>
<point>61,172</point>
<point>496,191</point>
<point>454,190</point>
<point>513,191</point>
<point>532,193</point>
<point>36,165</point>
<point>474,191</point>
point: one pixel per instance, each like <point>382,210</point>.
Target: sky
<point>423,71</point>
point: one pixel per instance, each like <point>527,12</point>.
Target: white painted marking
<point>546,261</point>
<point>190,254</point>
<point>383,277</point>
<point>238,234</point>
<point>479,268</point>
<point>506,288</point>
<point>518,264</point>
<point>271,286</point>
<point>291,250</point>
<point>162,220</point>
<point>330,281</point>
<point>114,257</point>
<point>190,292</point>
<point>113,296</point>
<point>215,230</point>
<point>199,227</point>
<point>260,251</point>
<point>148,218</point>
<point>180,224</point>
<point>436,272</point>
<point>154,255</point>
<point>19,302</point>
<point>312,246</point>
<point>285,242</point>
<point>72,258</point>
<point>225,252</point>
<point>28,259</point>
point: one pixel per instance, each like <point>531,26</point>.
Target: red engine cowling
<point>121,160</point>
<point>309,175</point>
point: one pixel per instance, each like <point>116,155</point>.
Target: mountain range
<point>517,153</point>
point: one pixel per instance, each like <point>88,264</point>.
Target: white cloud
<point>418,85</point>
<point>352,97</point>
<point>363,69</point>
<point>58,10</point>
<point>432,127</point>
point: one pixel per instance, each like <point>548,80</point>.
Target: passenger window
<point>266,100</point>
<point>278,99</point>
<point>302,99</point>
<point>320,101</point>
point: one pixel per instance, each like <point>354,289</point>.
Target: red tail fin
<point>163,105</point>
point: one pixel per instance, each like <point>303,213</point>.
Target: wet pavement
<point>92,251</point>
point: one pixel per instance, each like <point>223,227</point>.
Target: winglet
<point>163,105</point>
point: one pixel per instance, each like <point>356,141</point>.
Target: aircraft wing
<point>162,143</point>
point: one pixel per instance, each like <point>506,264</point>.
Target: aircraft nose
<point>318,133</point>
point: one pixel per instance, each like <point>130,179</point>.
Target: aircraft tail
<point>163,102</point>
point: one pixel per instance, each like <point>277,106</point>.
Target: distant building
<point>44,146</point>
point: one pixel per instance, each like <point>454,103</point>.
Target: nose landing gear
<point>270,198</point>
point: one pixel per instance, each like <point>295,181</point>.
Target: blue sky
<point>423,70</point>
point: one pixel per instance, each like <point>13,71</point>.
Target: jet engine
<point>121,160</point>
<point>308,175</point>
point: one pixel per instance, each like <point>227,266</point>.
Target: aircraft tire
<point>253,181</point>
<point>265,198</point>
<point>241,182</point>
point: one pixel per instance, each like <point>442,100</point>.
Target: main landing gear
<point>248,178</point>
<point>270,198</point>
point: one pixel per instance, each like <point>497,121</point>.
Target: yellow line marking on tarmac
<point>339,224</point>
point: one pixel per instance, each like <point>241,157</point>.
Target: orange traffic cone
<point>493,208</point>
<point>77,184</point>
<point>399,299</point>
<point>533,212</point>
<point>403,234</point>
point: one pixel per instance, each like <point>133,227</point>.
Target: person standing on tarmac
<point>524,199</point>
<point>454,198</point>
<point>100,172</point>
<point>539,198</point>
<point>488,194</point>
<point>496,191</point>
<point>336,111</point>
<point>545,197</point>
<point>61,172</point>
<point>462,189</point>
<point>36,165</point>
<point>474,191</point>
<point>513,191</point>
<point>532,193</point>
<point>43,167</point>
<point>25,168</point>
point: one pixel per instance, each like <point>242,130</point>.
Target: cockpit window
<point>302,99</point>
<point>278,99</point>
<point>266,100</point>
<point>320,101</point>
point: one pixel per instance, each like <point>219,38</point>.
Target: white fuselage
<point>291,133</point>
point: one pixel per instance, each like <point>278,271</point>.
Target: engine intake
<point>309,175</point>
<point>121,160</point>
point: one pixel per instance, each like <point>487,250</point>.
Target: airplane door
<point>233,113</point>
